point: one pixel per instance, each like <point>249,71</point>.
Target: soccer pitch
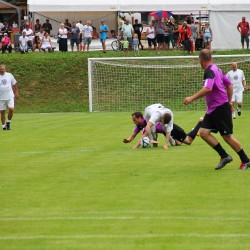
<point>67,181</point>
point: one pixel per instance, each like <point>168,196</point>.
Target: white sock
<point>8,121</point>
<point>3,126</point>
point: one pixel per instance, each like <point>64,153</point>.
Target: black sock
<point>243,156</point>
<point>194,132</point>
<point>220,150</point>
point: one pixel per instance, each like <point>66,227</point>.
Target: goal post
<point>128,84</point>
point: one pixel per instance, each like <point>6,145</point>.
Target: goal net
<point>130,84</point>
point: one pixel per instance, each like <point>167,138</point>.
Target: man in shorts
<point>8,92</point>
<point>103,29</point>
<point>237,77</point>
<point>218,91</point>
<point>87,29</point>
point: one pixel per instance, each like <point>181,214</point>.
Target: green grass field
<point>68,182</point>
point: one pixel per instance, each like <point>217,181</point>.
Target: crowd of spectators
<point>162,34</point>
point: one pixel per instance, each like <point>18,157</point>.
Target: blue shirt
<point>103,34</point>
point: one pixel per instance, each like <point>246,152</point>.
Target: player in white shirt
<point>8,92</point>
<point>237,77</point>
<point>158,113</point>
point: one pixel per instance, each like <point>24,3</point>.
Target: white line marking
<point>121,236</point>
<point>80,218</point>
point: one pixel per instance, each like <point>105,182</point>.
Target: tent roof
<point>5,5</point>
<point>137,5</point>
<point>115,5</point>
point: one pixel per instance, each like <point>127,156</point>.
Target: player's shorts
<point>219,120</point>
<point>87,40</point>
<point>237,96</point>
<point>178,133</point>
<point>7,104</point>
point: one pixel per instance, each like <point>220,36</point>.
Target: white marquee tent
<point>224,14</point>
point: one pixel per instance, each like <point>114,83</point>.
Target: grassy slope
<point>58,82</point>
<point>62,187</point>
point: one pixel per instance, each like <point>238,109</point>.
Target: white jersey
<point>6,82</point>
<point>154,112</point>
<point>87,30</point>
<point>80,27</point>
<point>236,77</point>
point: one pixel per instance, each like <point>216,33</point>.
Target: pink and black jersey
<point>215,80</point>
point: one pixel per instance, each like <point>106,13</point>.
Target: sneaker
<point>223,162</point>
<point>239,111</point>
<point>233,115</point>
<point>8,126</point>
<point>244,166</point>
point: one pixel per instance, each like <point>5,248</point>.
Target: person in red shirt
<point>6,44</point>
<point>243,28</point>
<point>185,33</point>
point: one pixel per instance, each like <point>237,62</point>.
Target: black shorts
<point>151,41</point>
<point>178,133</point>
<point>219,120</point>
<point>160,38</point>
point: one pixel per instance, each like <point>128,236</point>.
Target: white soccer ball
<point>145,142</point>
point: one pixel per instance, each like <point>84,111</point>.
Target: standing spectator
<point>138,28</point>
<point>29,34</point>
<point>6,43</point>
<point>46,43</point>
<point>166,35</point>
<point>237,77</point>
<point>103,29</point>
<point>136,44</point>
<point>47,26</point>
<point>80,27</point>
<point>63,38</point>
<point>243,28</point>
<point>128,31</point>
<point>207,36</point>
<point>87,35</point>
<point>160,27</point>
<point>22,25</point>
<point>176,35</point>
<point>218,91</point>
<point>23,43</point>
<point>37,26</point>
<point>8,93</point>
<point>6,29</point>
<point>74,36</point>
<point>151,36</point>
<point>185,34</point>
<point>67,24</point>
<point>193,37</point>
<point>125,45</point>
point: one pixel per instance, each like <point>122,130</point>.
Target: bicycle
<point>117,44</point>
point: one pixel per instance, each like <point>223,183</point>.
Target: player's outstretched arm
<point>130,138</point>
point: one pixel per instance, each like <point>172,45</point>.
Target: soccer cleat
<point>8,126</point>
<point>223,162</point>
<point>4,128</point>
<point>201,119</point>
<point>244,166</point>
<point>239,111</point>
<point>233,115</point>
